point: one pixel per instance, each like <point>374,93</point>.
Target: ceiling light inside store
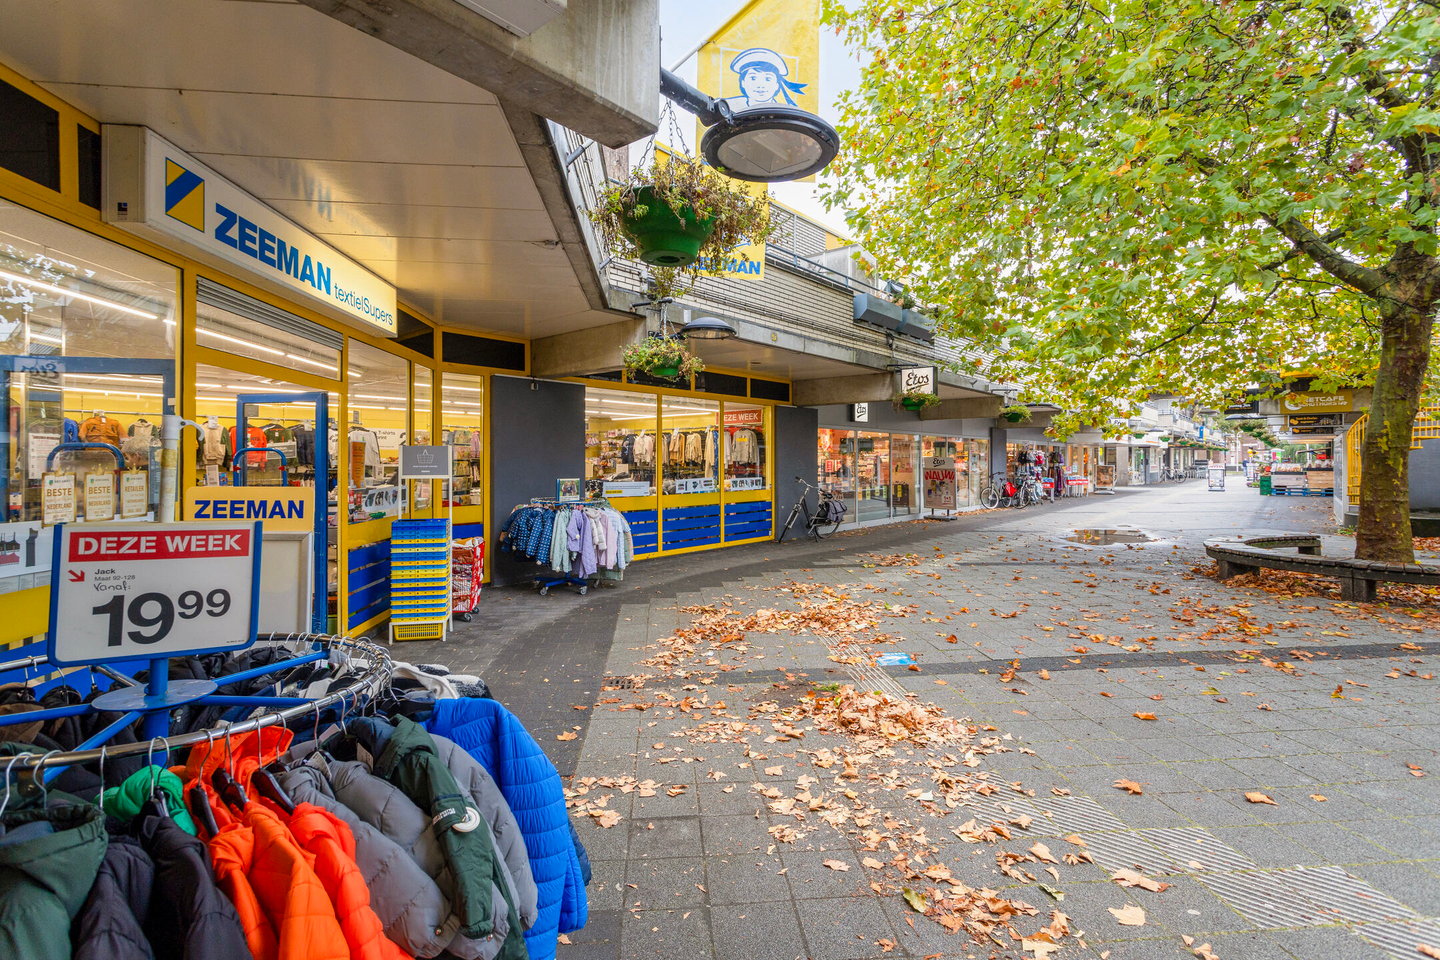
<point>201,331</point>
<point>51,288</point>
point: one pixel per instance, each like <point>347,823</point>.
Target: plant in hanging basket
<point>915,401</point>
<point>679,213</point>
<point>660,356</point>
<point>1016,413</point>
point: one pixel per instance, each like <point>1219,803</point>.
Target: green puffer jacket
<point>48,860</point>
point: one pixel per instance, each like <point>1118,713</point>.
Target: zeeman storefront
<point>303,374</point>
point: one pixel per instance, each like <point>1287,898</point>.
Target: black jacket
<point>190,918</point>
<point>109,924</point>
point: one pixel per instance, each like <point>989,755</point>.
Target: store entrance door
<point>303,444</point>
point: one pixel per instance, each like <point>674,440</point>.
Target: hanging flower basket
<point>1016,413</point>
<point>662,357</point>
<point>665,236</point>
<point>1138,436</point>
<point>678,215</point>
<point>915,402</point>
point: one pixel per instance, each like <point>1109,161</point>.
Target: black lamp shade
<point>707,328</point>
<point>770,144</point>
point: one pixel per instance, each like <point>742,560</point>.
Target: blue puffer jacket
<point>530,784</point>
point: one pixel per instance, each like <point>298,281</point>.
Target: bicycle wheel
<point>990,497</point>
<point>823,528</point>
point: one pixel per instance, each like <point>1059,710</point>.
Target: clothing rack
<point>371,679</point>
<point>547,580</point>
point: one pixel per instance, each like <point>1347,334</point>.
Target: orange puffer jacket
<point>291,894</point>
<point>232,852</point>
<point>332,846</point>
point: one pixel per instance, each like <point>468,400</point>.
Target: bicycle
<point>999,492</point>
<point>818,524</point>
<point>1031,491</point>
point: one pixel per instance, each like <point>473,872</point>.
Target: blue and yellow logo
<point>184,195</point>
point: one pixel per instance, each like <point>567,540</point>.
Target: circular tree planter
<point>665,238</point>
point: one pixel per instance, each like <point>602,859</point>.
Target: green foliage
<point>658,353</point>
<point>1015,412</point>
<point>916,399</point>
<point>1120,198</point>
<point>686,185</point>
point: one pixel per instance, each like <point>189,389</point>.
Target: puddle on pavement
<point>1099,538</point>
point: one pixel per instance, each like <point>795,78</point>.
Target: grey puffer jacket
<point>412,908</point>
<point>386,808</point>
<point>509,841</point>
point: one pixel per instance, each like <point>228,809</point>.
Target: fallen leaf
<point>1057,894</point>
<point>1143,716</point>
<point>1043,674</point>
<point>1339,692</point>
<point>567,735</point>
<point>1128,915</point>
<point>1255,796</point>
<point>774,771</point>
<point>840,865</point>
<point>885,944</point>
<point>917,902</point>
<point>1041,948</point>
<point>872,863</point>
<point>606,818</point>
<point>1130,787</point>
<point>563,938</point>
<point>1318,798</point>
<point>1428,951</point>
<point>1130,878</point>
<point>1042,853</point>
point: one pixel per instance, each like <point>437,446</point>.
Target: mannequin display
<point>100,429</point>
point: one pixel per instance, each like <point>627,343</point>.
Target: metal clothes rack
<point>552,579</point>
<point>135,701</point>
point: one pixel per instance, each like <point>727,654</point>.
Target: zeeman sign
<point>150,182</point>
<point>277,508</point>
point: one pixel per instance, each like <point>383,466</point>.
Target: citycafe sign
<point>151,186</point>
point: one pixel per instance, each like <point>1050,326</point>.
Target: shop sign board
<point>425,463</point>
<point>1310,401</point>
<point>1314,420</point>
<point>277,508</point>
<point>151,183</point>
<point>747,417</point>
<point>134,494</point>
<point>626,488</point>
<point>99,497</point>
<point>859,413</point>
<point>918,380</point>
<point>57,498</point>
<point>940,483</point>
<point>119,591</point>
<point>746,483</point>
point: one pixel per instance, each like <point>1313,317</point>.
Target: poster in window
<point>134,493</point>
<point>99,497</point>
<point>57,498</point>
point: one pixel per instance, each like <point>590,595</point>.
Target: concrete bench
<point>1358,578</point>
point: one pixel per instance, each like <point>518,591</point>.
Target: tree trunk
<point>1384,528</point>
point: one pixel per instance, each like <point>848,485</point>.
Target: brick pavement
<point>699,874</point>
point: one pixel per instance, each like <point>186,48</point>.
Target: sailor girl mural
<point>764,80</point>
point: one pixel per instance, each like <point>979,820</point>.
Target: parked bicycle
<point>1001,491</point>
<point>827,516</point>
<point>1174,475</point>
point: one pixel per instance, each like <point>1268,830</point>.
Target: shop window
<point>746,446</point>
<point>232,322</point>
<point>904,485</point>
<point>690,434</point>
<point>872,475</point>
<point>770,390</point>
<point>285,428</point>
<point>378,401</point>
<point>29,137</point>
<point>87,334</point>
<point>482,351</point>
<point>622,446</point>
<point>462,407</point>
<point>837,465</point>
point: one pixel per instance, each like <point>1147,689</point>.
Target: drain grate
<point>1264,899</point>
<point>1191,848</point>
<point>622,683</point>
<point>1344,897</point>
<point>1078,813</point>
<point>1400,939</point>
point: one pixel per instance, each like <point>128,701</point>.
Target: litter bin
<point>1265,485</point>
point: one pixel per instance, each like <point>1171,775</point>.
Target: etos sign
<point>122,591</point>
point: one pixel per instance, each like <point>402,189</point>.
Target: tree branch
<point>1365,279</point>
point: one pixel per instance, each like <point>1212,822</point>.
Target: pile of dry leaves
<point>875,717</point>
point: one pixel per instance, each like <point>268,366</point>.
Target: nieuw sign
<point>151,183</point>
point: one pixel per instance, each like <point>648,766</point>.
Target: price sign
<point>119,591</point>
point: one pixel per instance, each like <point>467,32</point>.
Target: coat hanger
<point>9,784</point>
<point>199,800</point>
<point>223,779</point>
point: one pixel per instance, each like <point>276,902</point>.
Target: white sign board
<point>152,183</point>
<point>121,591</point>
<point>422,463</point>
<point>917,380</point>
<point>940,483</point>
<point>860,413</point>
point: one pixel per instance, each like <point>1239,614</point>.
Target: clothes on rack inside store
<point>582,540</point>
<point>742,445</point>
<point>366,437</point>
<point>421,827</point>
<point>99,428</point>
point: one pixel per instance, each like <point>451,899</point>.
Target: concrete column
<point>997,450</point>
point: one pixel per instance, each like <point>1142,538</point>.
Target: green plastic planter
<point>1015,417</point>
<point>665,238</point>
<point>912,403</point>
<point>669,373</point>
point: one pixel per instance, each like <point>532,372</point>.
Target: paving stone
<point>843,929</point>
<point>758,931</point>
<point>666,933</point>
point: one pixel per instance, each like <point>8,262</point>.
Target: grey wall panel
<point>1424,476</point>
<point>536,437</point>
<point>795,455</point>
